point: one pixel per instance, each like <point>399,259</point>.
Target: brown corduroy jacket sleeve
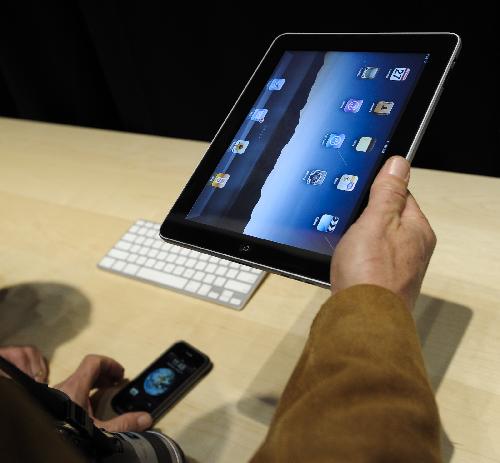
<point>359,392</point>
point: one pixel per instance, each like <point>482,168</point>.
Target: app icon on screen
<point>368,72</point>
<point>352,105</point>
<point>347,182</point>
<point>315,177</point>
<point>258,115</point>
<point>365,144</point>
<point>333,140</point>
<point>133,391</point>
<point>399,74</point>
<point>326,223</point>
<point>220,180</point>
<point>276,84</point>
<point>239,146</point>
<point>383,108</point>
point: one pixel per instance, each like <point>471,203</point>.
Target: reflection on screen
<point>297,167</point>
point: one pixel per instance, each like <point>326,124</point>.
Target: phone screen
<point>163,381</point>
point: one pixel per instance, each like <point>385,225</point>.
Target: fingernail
<point>399,167</point>
<point>144,421</point>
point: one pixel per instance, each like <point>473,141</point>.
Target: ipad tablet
<point>291,167</point>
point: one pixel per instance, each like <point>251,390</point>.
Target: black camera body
<point>96,445</point>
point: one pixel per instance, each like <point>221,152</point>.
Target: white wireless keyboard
<point>143,255</point>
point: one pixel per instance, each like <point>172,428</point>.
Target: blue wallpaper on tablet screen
<point>299,163</point>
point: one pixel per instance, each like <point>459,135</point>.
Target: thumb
<point>133,421</point>
<point>388,194</point>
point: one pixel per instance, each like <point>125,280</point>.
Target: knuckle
<point>432,238</point>
<point>30,350</point>
<point>19,354</point>
<point>392,186</point>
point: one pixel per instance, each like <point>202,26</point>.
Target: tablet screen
<point>301,161</point>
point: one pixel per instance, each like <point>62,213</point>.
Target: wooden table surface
<point>67,194</point>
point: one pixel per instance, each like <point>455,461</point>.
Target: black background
<point>176,70</point>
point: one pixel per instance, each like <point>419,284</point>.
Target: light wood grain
<point>67,194</point>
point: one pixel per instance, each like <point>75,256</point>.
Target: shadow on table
<point>42,314</point>
<point>440,325</point>
<point>209,432</point>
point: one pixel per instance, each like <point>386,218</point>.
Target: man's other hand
<point>28,359</point>
<point>97,371</point>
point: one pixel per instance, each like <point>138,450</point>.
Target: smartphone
<point>163,382</point>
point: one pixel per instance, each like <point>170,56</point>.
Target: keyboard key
<point>141,231</point>
<point>117,254</point>
<point>188,273</point>
<point>247,277</point>
<point>209,279</point>
<point>178,270</point>
<point>175,249</point>
<point>223,298</point>
<point>168,268</point>
<point>181,260</point>
<point>166,246</point>
<point>140,240</point>
<point>162,255</point>
<point>184,252</point>
<point>235,301</point>
<point>131,269</point>
<point>214,260</point>
<point>232,273</point>
<point>129,237</point>
<point>227,293</point>
<point>150,263</point>
<point>210,268</point>
<point>204,257</point>
<point>152,253</point>
<point>159,265</point>
<point>234,265</point>
<point>107,262</point>
<point>198,276</point>
<point>148,242</point>
<point>132,258</point>
<point>156,244</point>
<point>203,291</point>
<point>256,270</point>
<point>171,257</point>
<point>224,262</point>
<point>151,233</point>
<point>200,265</point>
<point>237,286</point>
<point>143,251</point>
<point>194,254</point>
<point>134,229</point>
<point>118,265</point>
<point>219,281</point>
<point>162,278</point>
<point>135,248</point>
<point>221,271</point>
<point>190,263</point>
<point>141,260</point>
<point>213,295</point>
<point>246,268</point>
<point>192,286</point>
<point>125,245</point>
